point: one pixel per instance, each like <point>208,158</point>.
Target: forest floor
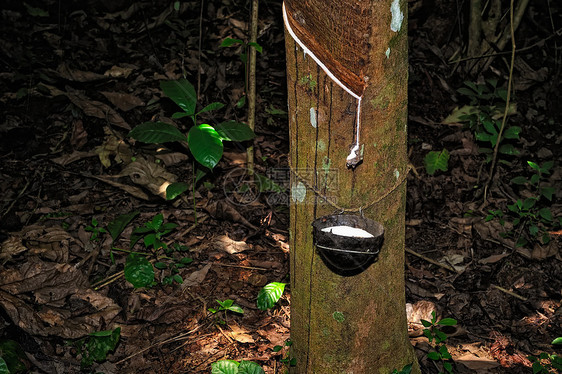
<point>77,76</point>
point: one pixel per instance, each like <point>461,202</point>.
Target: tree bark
<point>356,52</point>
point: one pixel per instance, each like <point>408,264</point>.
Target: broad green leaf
<point>533,230</point>
<point>425,323</point>
<point>182,93</point>
<point>483,136</point>
<point>534,165</point>
<point>3,367</point>
<point>236,308</point>
<point>256,46</point>
<point>229,41</point>
<point>156,132</point>
<point>12,357</point>
<point>269,295</point>
<point>466,91</point>
<point>447,322</point>
<point>434,356</point>
<point>267,185</point>
<point>117,226</point>
<point>178,278</point>
<point>448,366</point>
<point>547,192</point>
<point>519,180</point>
<point>175,189</point>
<point>472,85</point>
<point>512,132</point>
<point>436,161</point>
<point>558,340</point>
<point>97,347</point>
<point>160,265</point>
<point>102,333</point>
<point>210,107</point>
<point>546,214</point>
<point>249,367</point>
<point>226,304</point>
<point>508,149</point>
<point>156,222</point>
<point>545,168</point>
<point>179,115</point>
<point>138,271</point>
<point>535,178</point>
<point>489,126</point>
<point>225,367</point>
<point>529,203</point>
<point>234,131</point>
<point>205,144</point>
<point>277,348</point>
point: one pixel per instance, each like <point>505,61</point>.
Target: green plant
<point>95,230</point>
<point>434,161</point>
<point>531,220</point>
<point>227,305</point>
<point>546,363</point>
<point>235,367</point>
<point>12,357</point>
<point>437,338</point>
<point>152,233</point>
<point>228,42</point>
<point>97,345</point>
<point>172,264</point>
<point>286,359</point>
<point>483,117</point>
<point>407,369</point>
<point>269,295</point>
<point>205,142</point>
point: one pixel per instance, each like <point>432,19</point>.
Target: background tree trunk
<point>348,324</point>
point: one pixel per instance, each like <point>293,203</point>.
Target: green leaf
<point>138,271</point>
<point>101,333</point>
<point>12,357</point>
<point>519,180</point>
<point>534,165</point>
<point>546,214</point>
<point>447,322</point>
<point>533,230</point>
<point>558,340</point>
<point>156,132</point>
<point>205,144</point>
<point>466,92</point>
<point>117,226</point>
<point>436,161</point>
<point>448,366</point>
<point>425,323</point>
<point>434,356</point>
<point>269,295</point>
<point>256,46</point>
<point>175,189</point>
<point>241,102</point>
<point>489,126</point>
<point>179,115</point>
<point>249,367</point>
<point>460,115</point>
<point>4,367</point>
<point>547,192</point>
<point>97,347</point>
<point>277,348</point>
<point>229,41</point>
<point>545,168</point>
<point>160,265</point>
<point>36,12</point>
<point>211,107</point>
<point>234,131</point>
<point>508,149</point>
<point>225,367</point>
<point>178,278</point>
<point>236,308</point>
<point>444,352</point>
<point>512,132</point>
<point>182,93</point>
<point>529,203</point>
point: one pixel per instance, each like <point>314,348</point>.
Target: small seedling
<point>95,230</point>
<point>437,338</point>
<point>227,305</point>
<point>152,233</point>
<point>97,345</point>
<point>286,359</point>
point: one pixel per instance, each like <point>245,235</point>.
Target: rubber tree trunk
<point>347,73</point>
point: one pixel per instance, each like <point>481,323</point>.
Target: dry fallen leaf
<point>123,101</point>
<point>196,277</point>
